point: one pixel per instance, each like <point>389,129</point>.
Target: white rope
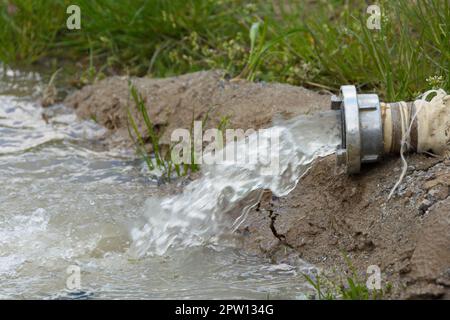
<point>405,142</point>
<point>407,123</point>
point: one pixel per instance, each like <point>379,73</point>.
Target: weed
<point>92,74</point>
<point>154,158</point>
<point>50,92</point>
<point>347,287</point>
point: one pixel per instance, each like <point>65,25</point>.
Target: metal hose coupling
<point>362,128</point>
<point>371,129</point>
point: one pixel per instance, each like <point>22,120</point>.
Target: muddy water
<point>67,203</point>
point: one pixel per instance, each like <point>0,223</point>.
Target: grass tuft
<point>154,158</point>
<point>348,287</point>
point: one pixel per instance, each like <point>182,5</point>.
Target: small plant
<point>260,48</point>
<point>155,159</point>
<point>435,82</point>
<point>257,43</point>
<point>349,287</point>
<point>91,75</point>
<point>50,93</point>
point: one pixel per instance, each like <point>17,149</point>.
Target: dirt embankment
<point>328,212</point>
<point>176,102</point>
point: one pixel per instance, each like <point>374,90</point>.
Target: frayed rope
<point>407,123</point>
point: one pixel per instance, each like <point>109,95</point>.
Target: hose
<point>422,126</point>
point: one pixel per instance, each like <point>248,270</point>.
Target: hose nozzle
<point>362,128</point>
<point>371,129</point>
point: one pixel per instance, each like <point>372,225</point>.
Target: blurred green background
<point>317,44</point>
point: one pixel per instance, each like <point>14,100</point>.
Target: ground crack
<point>281,237</point>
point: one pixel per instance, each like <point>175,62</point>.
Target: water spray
<point>371,129</point>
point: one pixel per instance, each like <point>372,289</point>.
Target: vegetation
<point>155,157</point>
<point>348,287</point>
<point>320,44</point>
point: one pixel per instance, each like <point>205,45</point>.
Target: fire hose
<point>371,130</point>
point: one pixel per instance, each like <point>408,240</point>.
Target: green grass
<point>154,156</point>
<point>345,285</point>
<point>28,29</point>
<point>318,44</point>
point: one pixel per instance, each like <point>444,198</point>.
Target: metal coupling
<point>362,128</point>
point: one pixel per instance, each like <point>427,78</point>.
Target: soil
<point>329,213</point>
<point>177,102</point>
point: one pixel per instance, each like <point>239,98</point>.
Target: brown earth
<point>176,102</point>
<point>329,212</point>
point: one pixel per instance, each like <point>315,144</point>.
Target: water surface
<point>66,201</point>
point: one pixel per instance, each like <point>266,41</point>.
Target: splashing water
<point>20,83</point>
<point>198,215</point>
<point>66,201</point>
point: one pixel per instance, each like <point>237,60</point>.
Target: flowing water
<point>67,203</point>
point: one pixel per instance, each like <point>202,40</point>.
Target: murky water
<point>67,203</point>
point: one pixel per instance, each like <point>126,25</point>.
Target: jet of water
<point>198,215</point>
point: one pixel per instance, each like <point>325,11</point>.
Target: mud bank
<point>328,212</point>
<point>176,102</point>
